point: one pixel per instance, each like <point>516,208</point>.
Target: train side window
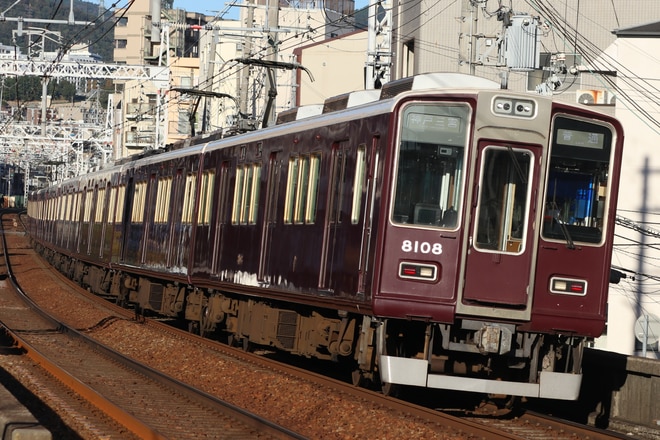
<point>138,202</point>
<point>205,204</point>
<point>111,203</point>
<point>358,183</point>
<point>302,189</point>
<point>121,200</point>
<point>428,186</point>
<point>100,204</point>
<point>163,200</point>
<point>246,194</point>
<point>87,209</point>
<point>76,207</point>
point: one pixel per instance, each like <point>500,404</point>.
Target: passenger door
<point>270,217</point>
<point>500,248</point>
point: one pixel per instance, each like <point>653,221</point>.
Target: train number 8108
<point>424,247</point>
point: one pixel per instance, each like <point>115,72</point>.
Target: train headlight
<point>418,271</point>
<point>568,286</point>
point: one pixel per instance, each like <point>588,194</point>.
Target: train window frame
<point>358,182</point>
<point>445,140</point>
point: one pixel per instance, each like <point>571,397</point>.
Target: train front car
<point>493,264</point>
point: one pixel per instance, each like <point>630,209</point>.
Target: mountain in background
<point>98,36</point>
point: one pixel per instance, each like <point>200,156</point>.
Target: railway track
<point>281,385</point>
<point>144,402</point>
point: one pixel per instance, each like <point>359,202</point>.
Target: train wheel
<point>193,327</point>
<point>246,344</point>
<point>358,378</point>
<point>204,322</point>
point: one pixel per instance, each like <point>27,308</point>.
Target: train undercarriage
<point>469,355</point>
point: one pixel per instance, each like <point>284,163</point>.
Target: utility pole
<point>273,16</point>
<point>379,44</point>
<point>244,77</point>
<point>466,41</point>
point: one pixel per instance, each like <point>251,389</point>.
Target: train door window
<point>291,189</point>
<point>358,183</point>
<point>224,193</point>
<point>428,186</point>
<point>189,199</point>
<point>139,199</point>
<point>503,199</point>
<point>337,185</point>
<point>206,199</point>
<point>576,196</point>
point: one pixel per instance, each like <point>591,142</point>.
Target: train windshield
<point>577,186</point>
<point>429,172</point>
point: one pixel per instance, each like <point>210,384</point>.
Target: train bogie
<point>439,238</point>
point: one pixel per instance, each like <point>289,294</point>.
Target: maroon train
<point>440,232</point>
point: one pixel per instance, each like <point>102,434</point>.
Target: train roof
<point>344,107</point>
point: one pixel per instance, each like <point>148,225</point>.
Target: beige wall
<point>135,32</point>
<point>639,199</point>
<point>337,67</point>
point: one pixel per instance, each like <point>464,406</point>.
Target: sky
<point>212,7</point>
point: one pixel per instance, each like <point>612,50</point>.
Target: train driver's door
<point>501,233</point>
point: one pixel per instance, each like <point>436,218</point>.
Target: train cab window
<point>430,165</point>
<point>503,199</point>
<point>577,184</point>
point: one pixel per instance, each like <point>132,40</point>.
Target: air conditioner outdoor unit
<point>594,97</point>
